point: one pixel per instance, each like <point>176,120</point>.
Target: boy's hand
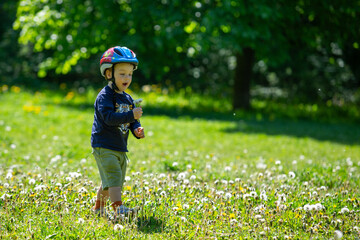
<point>137,112</point>
<point>139,132</point>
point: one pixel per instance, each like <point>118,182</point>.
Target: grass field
<point>202,172</point>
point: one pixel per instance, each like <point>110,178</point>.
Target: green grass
<point>198,174</point>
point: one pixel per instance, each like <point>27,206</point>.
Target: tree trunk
<point>243,74</point>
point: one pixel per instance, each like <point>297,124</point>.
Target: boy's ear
<point>108,73</point>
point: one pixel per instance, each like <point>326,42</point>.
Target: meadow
<point>202,172</point>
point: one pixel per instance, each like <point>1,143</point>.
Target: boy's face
<point>123,75</point>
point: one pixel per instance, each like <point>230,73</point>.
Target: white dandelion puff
<point>253,194</point>
<point>291,174</point>
<point>39,188</point>
<point>118,227</point>
<point>9,175</point>
<point>263,196</point>
<point>307,207</point>
<point>344,210</point>
<point>228,195</point>
<point>83,190</point>
<point>338,234</point>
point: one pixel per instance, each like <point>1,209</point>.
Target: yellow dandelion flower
<point>69,96</point>
<point>232,215</point>
<point>128,188</point>
<point>15,89</point>
<point>37,109</point>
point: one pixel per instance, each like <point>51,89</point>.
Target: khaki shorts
<point>112,167</point>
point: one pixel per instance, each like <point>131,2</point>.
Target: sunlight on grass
<point>201,172</point>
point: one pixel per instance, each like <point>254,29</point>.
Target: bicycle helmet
<point>117,55</point>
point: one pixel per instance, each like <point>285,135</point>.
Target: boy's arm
<point>105,106</point>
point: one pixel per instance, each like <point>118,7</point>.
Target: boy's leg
<point>115,197</point>
<point>101,198</point>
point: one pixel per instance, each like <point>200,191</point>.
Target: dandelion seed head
<point>344,210</point>
<point>40,187</point>
<point>81,221</point>
<point>338,234</point>
<point>9,175</point>
<point>291,174</point>
<point>118,227</point>
<point>258,216</point>
<point>228,195</point>
<point>307,207</point>
<point>261,165</point>
<point>83,190</point>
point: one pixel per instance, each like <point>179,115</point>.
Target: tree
<point>71,30</point>
<point>167,34</point>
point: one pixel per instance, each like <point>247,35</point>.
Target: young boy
<point>115,115</point>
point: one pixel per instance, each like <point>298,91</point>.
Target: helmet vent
<point>118,52</point>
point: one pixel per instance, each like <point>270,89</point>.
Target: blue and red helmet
<point>117,55</point>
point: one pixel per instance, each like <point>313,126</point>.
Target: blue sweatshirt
<point>113,119</point>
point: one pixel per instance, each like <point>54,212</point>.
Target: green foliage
<point>194,43</point>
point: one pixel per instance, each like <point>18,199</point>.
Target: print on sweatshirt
<point>124,128</point>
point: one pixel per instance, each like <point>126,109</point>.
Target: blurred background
<point>293,52</point>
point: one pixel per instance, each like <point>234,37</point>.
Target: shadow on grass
<point>150,225</point>
<point>255,122</point>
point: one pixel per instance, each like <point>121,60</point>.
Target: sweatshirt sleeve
<point>134,126</point>
<point>105,107</point>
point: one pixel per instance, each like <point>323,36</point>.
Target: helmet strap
<point>112,79</point>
